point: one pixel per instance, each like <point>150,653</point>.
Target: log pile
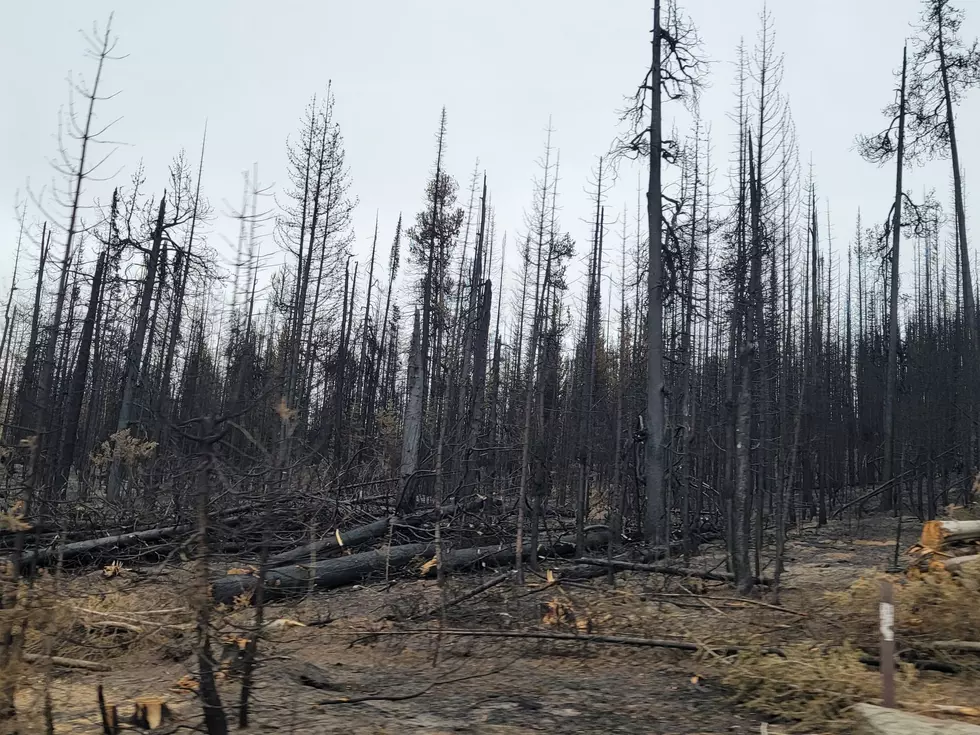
<point>351,545</point>
<point>40,546</point>
<point>368,533</point>
<point>46,555</point>
<point>297,579</point>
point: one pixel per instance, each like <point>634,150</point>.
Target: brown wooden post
<point>886,616</point>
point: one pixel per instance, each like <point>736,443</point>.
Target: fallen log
<point>890,483</point>
<point>876,491</point>
<point>954,709</point>
<point>87,530</point>
<point>42,557</point>
<point>656,553</point>
<point>475,556</point>
<point>582,638</point>
<point>330,573</point>
<point>958,562</point>
<point>937,535</point>
<point>670,571</point>
<point>461,559</point>
<point>412,695</point>
<point>957,646</point>
<point>489,584</point>
<point>733,601</point>
<point>114,626</point>
<point>355,537</point>
<point>68,663</point>
<point>363,534</point>
<point>299,578</point>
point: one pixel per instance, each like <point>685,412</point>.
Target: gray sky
<point>500,68</point>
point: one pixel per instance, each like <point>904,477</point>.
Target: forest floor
<point>354,645</point>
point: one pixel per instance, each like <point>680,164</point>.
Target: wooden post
<point>886,615</point>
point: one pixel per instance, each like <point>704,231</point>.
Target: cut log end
<point>938,534</point>
<point>932,535</point>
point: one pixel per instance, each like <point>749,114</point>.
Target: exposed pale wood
<point>150,712</point>
<point>115,625</point>
<point>354,537</point>
<point>954,709</point>
<point>937,535</point>
<point>958,562</point>
<point>883,721</point>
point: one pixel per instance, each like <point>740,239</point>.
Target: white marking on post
<point>886,614</point>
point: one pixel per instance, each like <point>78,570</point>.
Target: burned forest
<point>474,469</point>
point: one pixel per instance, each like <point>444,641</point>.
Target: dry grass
<point>98,618</point>
<point>125,619</point>
<point>931,606</point>
<point>136,621</point>
<point>815,684</point>
<point>814,687</point>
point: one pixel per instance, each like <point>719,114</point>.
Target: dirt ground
<point>354,646</point>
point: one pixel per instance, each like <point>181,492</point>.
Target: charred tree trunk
<point>891,379</point>
<point>412,432</point>
<point>656,524</point>
<point>76,389</point>
<point>134,351</point>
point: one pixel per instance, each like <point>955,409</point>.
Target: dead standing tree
<point>135,350</point>
<point>432,241</point>
<point>941,70</point>
<point>676,71</point>
<point>77,171</point>
<point>314,232</point>
<point>880,149</point>
<point>547,267</point>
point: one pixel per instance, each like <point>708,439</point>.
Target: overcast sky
<point>501,69</point>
